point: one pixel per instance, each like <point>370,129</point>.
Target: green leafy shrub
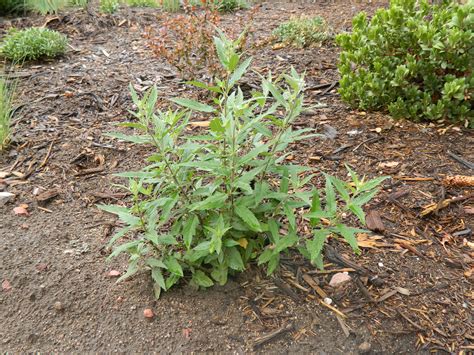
<point>6,110</point>
<point>414,58</point>
<point>32,43</point>
<point>142,3</point>
<point>109,6</point>
<point>302,31</point>
<point>207,204</point>
<point>45,7</point>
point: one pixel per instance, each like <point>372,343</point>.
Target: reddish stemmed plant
<point>186,42</point>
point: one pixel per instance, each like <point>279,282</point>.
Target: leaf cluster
<point>414,59</point>
<point>32,43</point>
<point>208,204</point>
<point>303,31</point>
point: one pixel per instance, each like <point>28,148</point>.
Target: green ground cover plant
<point>414,59</point>
<point>109,6</point>
<point>208,204</point>
<point>31,44</point>
<point>303,31</point>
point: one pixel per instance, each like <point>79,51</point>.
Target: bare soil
<point>57,295</point>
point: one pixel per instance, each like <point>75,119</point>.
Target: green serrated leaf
<point>215,201</point>
<point>201,279</point>
<point>248,217</point>
<point>273,264</point>
<point>189,230</point>
<point>234,259</point>
<point>315,246</point>
<point>131,270</point>
<point>157,276</point>
<point>155,263</point>
<point>174,266</point>
<point>348,233</point>
<point>239,72</point>
<point>331,202</point>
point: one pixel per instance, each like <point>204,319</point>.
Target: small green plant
<point>303,31</point>
<point>414,59</point>
<point>220,5</point>
<point>6,110</point>
<point>109,6</point>
<point>170,5</point>
<point>143,3</point>
<point>206,205</point>
<point>32,43</point>
<point>79,3</point>
<point>45,7</point>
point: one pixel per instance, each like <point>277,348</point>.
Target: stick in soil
<point>461,160</point>
<point>271,336</point>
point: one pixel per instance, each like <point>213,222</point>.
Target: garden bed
<point>58,293</point>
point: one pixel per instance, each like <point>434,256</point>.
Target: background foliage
<point>414,59</point>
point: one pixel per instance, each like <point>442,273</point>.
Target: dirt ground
<point>57,293</point>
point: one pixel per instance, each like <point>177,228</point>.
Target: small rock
<point>365,347</point>
<point>6,286</point>
<point>339,278</point>
<point>41,267</point>
<point>330,132</point>
<point>148,313</point>
<point>5,197</point>
<point>327,300</point>
<point>113,273</point>
<point>21,210</point>
<point>58,306</point>
<point>354,132</point>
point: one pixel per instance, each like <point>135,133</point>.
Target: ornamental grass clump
<point>32,44</point>
<point>303,31</point>
<point>413,59</point>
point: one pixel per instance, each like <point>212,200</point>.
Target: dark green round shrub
<point>32,43</point>
<point>414,59</point>
<point>11,6</point>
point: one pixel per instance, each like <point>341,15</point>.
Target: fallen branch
<point>270,336</point>
<point>435,207</point>
<point>461,160</point>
